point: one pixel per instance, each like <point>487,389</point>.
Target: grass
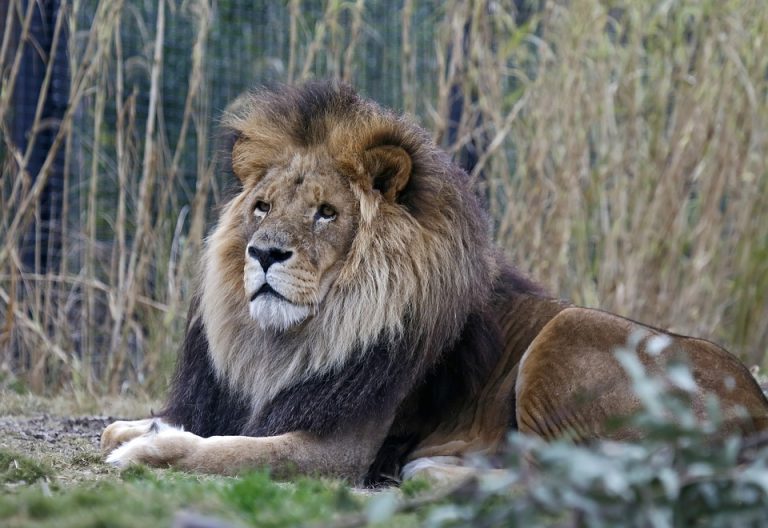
<point>16,399</point>
<point>16,468</point>
<point>140,497</point>
<point>52,474</point>
<point>138,500</point>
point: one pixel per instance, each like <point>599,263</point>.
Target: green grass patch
<point>19,468</point>
<point>263,502</point>
<point>101,504</point>
<point>411,488</point>
<point>142,497</point>
<point>136,472</point>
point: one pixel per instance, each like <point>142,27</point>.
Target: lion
<point>354,319</point>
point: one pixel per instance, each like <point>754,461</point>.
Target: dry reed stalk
<point>80,282</point>
<point>199,206</point>
<point>21,318</point>
<point>177,261</point>
<point>500,138</point>
<point>36,317</point>
<point>8,87</point>
<point>408,60</point>
<point>497,77</point>
<point>354,38</point>
<point>7,32</point>
<point>321,27</point>
<point>201,10</point>
<point>8,324</point>
<point>625,191</point>
<point>88,318</point>
<point>9,83</point>
<point>62,334</point>
<point>468,80</point>
<point>450,72</point>
<point>334,44</point>
<point>100,32</point>
<point>203,185</point>
<point>33,133</point>
<point>293,39</point>
<point>127,293</point>
<point>622,158</point>
<point>119,258</point>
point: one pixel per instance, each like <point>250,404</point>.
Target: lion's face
<point>301,219</point>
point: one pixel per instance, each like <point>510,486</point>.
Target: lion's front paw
<point>162,446</point>
<point>120,432</point>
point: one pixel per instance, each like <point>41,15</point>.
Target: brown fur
<point>571,383</point>
<point>403,333</point>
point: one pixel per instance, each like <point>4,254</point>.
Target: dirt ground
<point>69,445</point>
<point>62,433</point>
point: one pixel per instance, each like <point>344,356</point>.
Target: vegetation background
<point>620,146</point>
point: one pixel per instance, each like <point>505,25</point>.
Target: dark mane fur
<point>197,400</point>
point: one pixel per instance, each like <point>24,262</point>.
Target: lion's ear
<point>389,167</point>
<point>250,158</point>
<point>238,159</point>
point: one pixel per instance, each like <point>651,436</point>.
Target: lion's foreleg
<point>346,456</point>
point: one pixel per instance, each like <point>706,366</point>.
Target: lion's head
<point>350,228</point>
<point>301,219</point>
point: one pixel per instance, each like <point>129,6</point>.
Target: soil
<point>62,433</point>
<point>69,445</point>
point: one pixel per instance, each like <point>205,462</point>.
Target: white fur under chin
<point>277,314</point>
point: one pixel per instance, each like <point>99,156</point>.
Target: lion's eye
<point>261,208</point>
<point>326,212</point>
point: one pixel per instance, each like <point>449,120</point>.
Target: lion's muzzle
<point>269,289</point>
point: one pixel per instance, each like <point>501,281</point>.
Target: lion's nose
<point>267,257</point>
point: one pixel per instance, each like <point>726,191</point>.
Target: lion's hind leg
<point>569,383</point>
<point>443,470</point>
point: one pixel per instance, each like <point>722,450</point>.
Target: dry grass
<point>635,177</point>
<point>621,148</point>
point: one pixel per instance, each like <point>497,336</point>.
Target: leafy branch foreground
<point>677,476</point>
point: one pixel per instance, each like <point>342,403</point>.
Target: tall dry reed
<point>621,148</point>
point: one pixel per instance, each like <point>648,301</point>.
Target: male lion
<point>353,315</point>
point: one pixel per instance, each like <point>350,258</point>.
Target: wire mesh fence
<point>619,147</point>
